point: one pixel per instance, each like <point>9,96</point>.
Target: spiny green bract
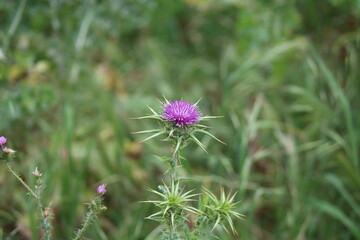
<point>217,210</point>
<point>173,204</point>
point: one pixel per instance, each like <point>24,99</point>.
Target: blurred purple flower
<point>182,113</point>
<point>101,189</point>
<point>3,141</point>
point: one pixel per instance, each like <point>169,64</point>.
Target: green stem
<point>22,182</point>
<point>89,217</point>
<point>175,158</point>
<point>45,224</point>
<point>95,207</point>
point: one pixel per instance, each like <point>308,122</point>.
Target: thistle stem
<point>174,162</point>
<point>45,225</point>
<point>95,207</point>
<point>22,181</point>
<point>175,159</point>
<point>89,218</point>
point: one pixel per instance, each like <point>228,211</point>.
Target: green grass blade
<point>338,214</point>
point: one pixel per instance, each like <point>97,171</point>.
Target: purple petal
<point>182,113</point>
<point>101,189</point>
<point>3,140</point>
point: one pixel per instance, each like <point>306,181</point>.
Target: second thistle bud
<point>37,173</point>
<point>8,151</point>
<point>101,189</point>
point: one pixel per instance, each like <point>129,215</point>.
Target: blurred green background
<point>284,74</point>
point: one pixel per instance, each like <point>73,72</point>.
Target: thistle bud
<point>37,173</point>
<point>8,151</point>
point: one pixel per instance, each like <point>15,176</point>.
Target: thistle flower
<point>182,113</point>
<point>101,189</point>
<point>3,141</point>
<point>179,122</point>
<point>37,173</point>
<point>186,117</point>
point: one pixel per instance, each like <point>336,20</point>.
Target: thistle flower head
<point>3,141</point>
<point>101,189</point>
<point>182,113</point>
<point>180,123</point>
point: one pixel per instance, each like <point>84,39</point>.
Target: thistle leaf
<point>149,117</point>
<point>218,219</point>
<point>207,133</point>
<point>152,136</point>
<point>153,111</point>
<point>178,144</point>
<point>197,141</point>
<point>147,131</point>
<point>197,101</point>
<point>210,117</point>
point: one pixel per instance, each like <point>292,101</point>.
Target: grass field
<point>284,75</point>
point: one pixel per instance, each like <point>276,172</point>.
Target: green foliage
<point>283,74</point>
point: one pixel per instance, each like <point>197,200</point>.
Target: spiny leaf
<point>197,101</point>
<point>198,142</point>
<point>153,111</point>
<point>210,117</point>
<point>147,131</point>
<point>206,132</point>
<point>152,136</point>
<point>178,144</point>
<point>171,132</point>
<point>218,219</point>
<point>167,101</point>
<point>149,117</point>
<point>201,125</point>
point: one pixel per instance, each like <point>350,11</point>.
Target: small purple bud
<point>3,141</point>
<point>101,189</point>
<point>37,173</point>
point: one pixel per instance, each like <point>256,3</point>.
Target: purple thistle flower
<point>182,113</point>
<point>3,141</point>
<point>101,189</point>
